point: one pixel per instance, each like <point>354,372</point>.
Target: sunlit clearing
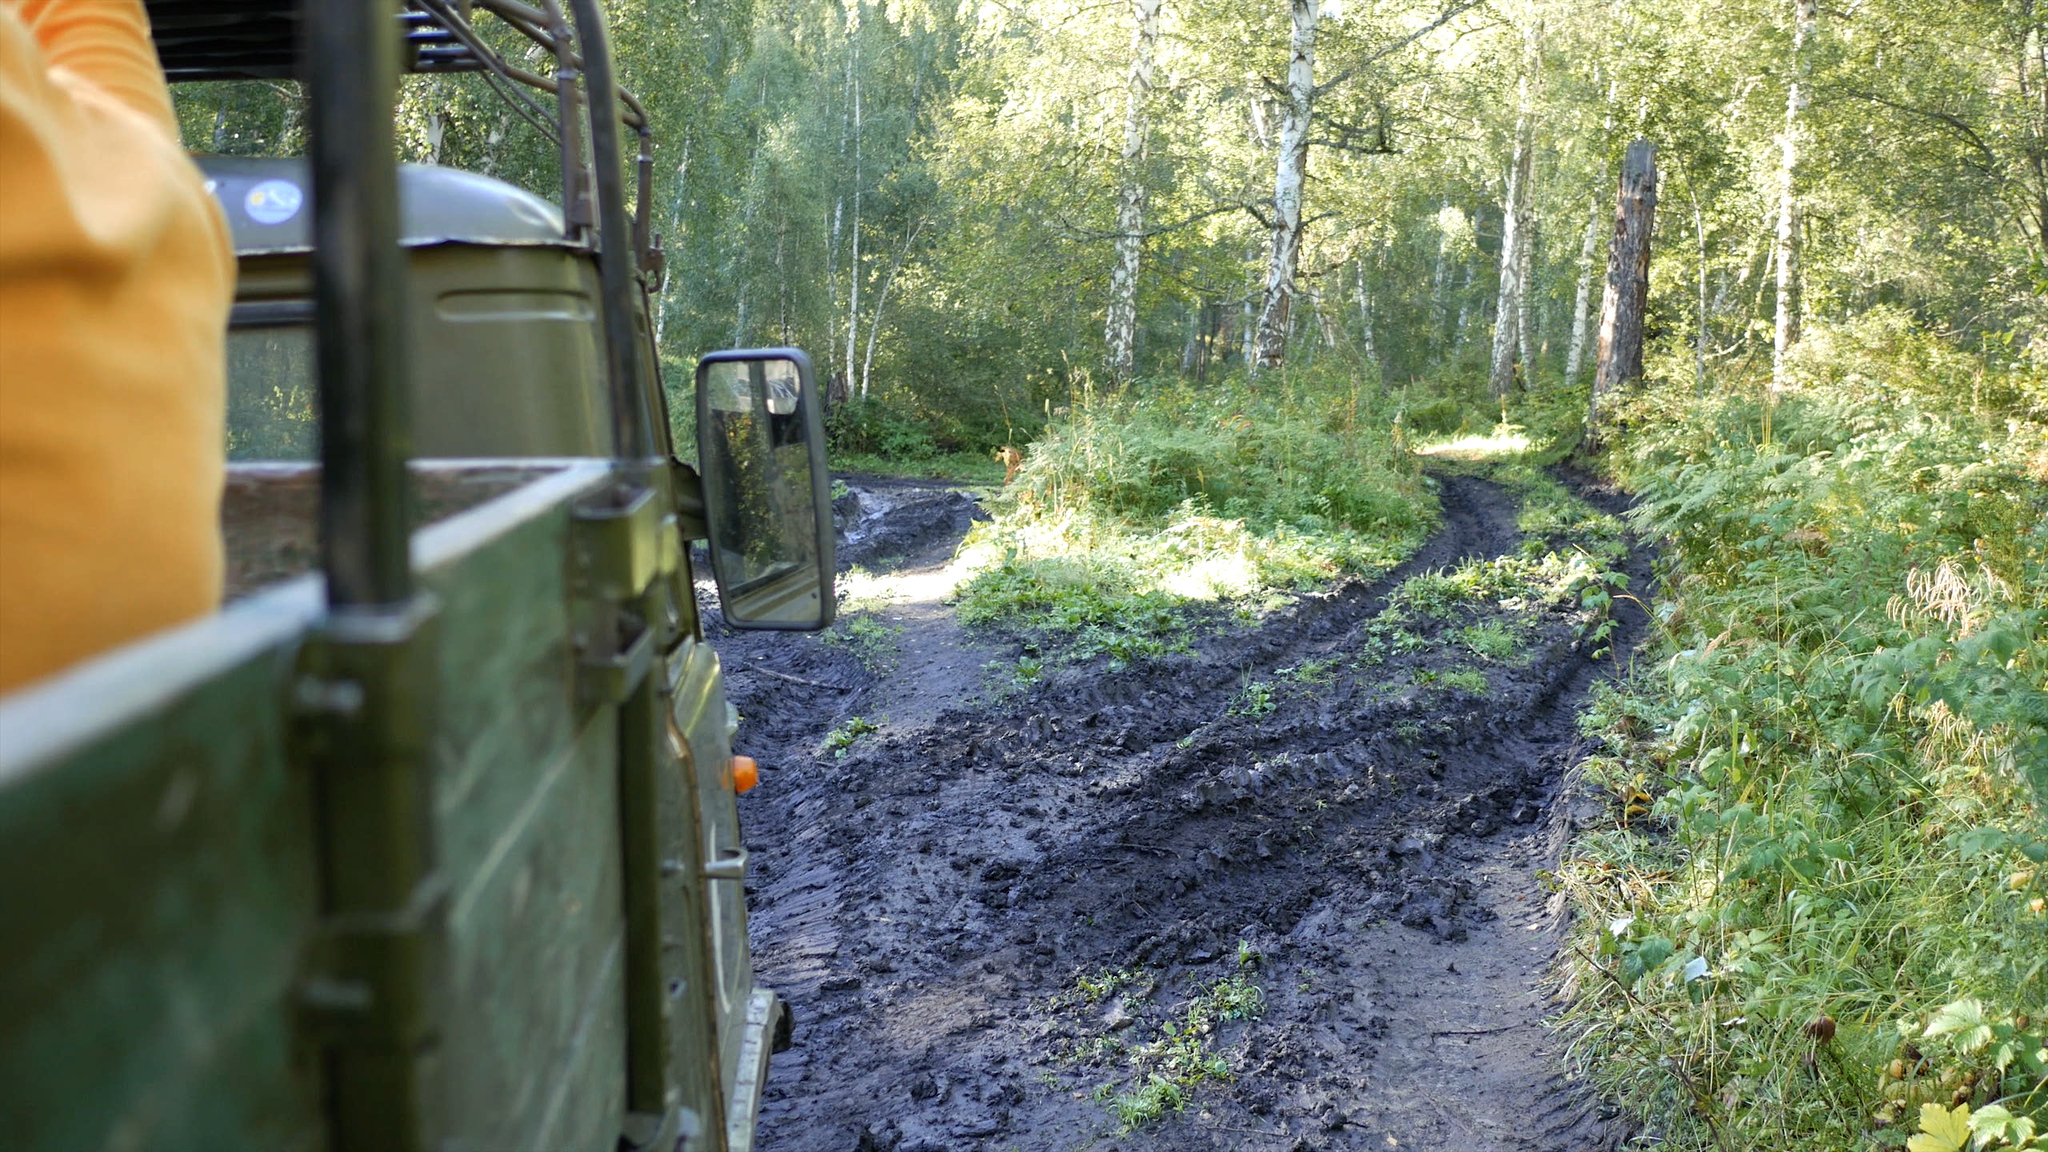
<point>864,591</point>
<point>1506,440</point>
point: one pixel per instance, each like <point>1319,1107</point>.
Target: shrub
<point>1131,507</point>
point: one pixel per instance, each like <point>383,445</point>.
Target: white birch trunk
<point>675,230</point>
<point>1508,322</point>
<point>832,369</point>
<point>1290,169</point>
<point>1120,326</point>
<point>881,300</point>
<point>1575,356</point>
<point>1699,347</point>
<point>853,258</point>
<point>1365,340</point>
<point>1805,14</point>
<point>1464,325</point>
<point>750,203</point>
<point>1526,321</point>
<point>1507,312</point>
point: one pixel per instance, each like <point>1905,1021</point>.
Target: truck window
<point>272,412</point>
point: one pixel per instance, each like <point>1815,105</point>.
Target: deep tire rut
<point>937,904</point>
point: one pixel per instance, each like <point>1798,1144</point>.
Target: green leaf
<point>1980,841</point>
<point>1993,1122</point>
<point>1966,1019</point>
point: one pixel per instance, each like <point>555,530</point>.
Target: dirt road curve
<point>1004,910</point>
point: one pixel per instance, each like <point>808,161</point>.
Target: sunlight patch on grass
<point>1504,441</point>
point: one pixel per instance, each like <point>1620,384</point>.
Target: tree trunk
<point>1628,277</point>
<point>1120,327</point>
<point>1508,321</point>
<point>1526,320</point>
<point>867,364</point>
<point>1366,343</point>
<point>1463,329</point>
<point>1440,278</point>
<point>676,199</point>
<point>853,258</point>
<point>1699,346</point>
<point>1804,14</point>
<point>1575,357</point>
<point>1507,311</point>
<point>1290,169</point>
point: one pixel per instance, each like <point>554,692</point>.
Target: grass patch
<point>1254,699</point>
<point>872,642</point>
<point>1169,1069</point>
<point>1464,679</point>
<point>1315,670</point>
<point>1495,640</point>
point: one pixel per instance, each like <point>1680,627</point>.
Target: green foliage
<point>1095,987</point>
<point>1254,699</point>
<point>1493,640</point>
<point>843,737</point>
<point>1842,753</point>
<point>1171,1067</point>
<point>1095,609</point>
<point>1314,670</point>
<point>1469,680</point>
<point>871,427</point>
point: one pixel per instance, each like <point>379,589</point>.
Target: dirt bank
<point>1278,893</point>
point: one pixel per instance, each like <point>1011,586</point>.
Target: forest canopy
<point>965,210</point>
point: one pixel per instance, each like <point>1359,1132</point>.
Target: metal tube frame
<point>358,277</point>
<point>617,260</point>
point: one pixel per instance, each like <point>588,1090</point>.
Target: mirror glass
<point>761,452</point>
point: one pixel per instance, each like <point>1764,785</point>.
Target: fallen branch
<point>792,679</point>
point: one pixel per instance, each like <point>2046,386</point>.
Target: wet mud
<point>1033,918</point>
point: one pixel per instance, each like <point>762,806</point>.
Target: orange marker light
<point>745,773</point>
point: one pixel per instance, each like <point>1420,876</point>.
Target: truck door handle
<point>731,864</point>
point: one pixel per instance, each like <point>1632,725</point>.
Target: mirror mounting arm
<point>689,496</point>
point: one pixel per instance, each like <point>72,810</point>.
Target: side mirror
<point>767,495</point>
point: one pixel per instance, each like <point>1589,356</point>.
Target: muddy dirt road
<point>1278,893</point>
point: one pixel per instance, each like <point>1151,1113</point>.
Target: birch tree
<point>1120,327</point>
<point>1290,169</point>
<point>1786,253</point>
<point>1575,355</point>
<point>1517,219</point>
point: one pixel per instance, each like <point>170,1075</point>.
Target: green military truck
<point>427,839</point>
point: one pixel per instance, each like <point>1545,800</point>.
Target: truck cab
<point>506,343</point>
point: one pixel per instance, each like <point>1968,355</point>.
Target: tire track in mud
<point>929,903</point>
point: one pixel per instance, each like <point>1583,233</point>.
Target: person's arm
<point>104,43</point>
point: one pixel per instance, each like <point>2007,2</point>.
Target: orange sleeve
<point>116,275</point>
<point>104,43</point>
